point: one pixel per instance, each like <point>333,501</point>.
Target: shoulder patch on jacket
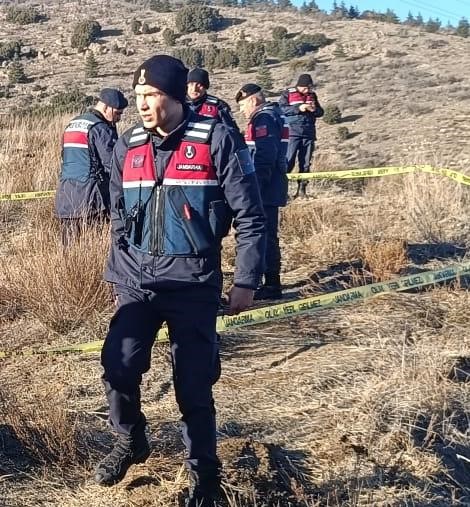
<point>139,136</point>
<point>261,131</point>
<point>245,163</point>
<point>200,130</point>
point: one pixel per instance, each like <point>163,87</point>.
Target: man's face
<point>303,89</point>
<point>112,115</point>
<point>155,107</point>
<point>247,106</point>
<point>195,90</point>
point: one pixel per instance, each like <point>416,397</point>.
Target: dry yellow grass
<point>364,405</point>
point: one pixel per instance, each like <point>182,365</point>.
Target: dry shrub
<point>44,426</point>
<point>384,258</point>
<point>61,288</point>
<point>31,146</point>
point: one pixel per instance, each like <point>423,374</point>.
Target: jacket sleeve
<point>284,105</point>
<point>266,148</point>
<point>103,139</point>
<point>319,112</point>
<point>115,190</point>
<point>226,116</point>
<point>237,178</point>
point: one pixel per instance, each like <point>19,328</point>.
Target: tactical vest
<point>295,98</point>
<point>250,133</point>
<point>185,214</point>
<point>209,107</point>
<point>77,163</point>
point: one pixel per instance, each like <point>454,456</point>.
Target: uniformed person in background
<point>267,136</point>
<point>87,147</point>
<point>301,107</point>
<point>202,103</point>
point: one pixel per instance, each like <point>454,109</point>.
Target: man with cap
<point>177,180</point>
<point>202,103</point>
<point>301,106</point>
<point>87,147</point>
<point>266,136</point>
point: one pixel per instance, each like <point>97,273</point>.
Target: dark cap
<point>113,98</point>
<point>247,90</point>
<point>199,75</point>
<point>304,80</point>
<point>164,72</point>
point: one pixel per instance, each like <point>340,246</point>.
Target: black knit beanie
<point>304,80</point>
<point>164,72</point>
<point>199,75</point>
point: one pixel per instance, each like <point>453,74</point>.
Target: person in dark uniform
<point>202,103</point>
<point>301,108</point>
<point>177,180</point>
<point>266,136</point>
<point>87,147</point>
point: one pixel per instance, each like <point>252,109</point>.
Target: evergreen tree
<point>264,77</point>
<point>16,72</point>
<point>334,8</point>
<point>339,52</point>
<point>343,9</point>
<point>433,25</point>
<point>463,28</point>
<point>419,21</point>
<point>353,12</point>
<point>410,20</point>
<point>91,66</point>
<point>391,17</point>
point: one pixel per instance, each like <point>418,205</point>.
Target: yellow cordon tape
<point>344,174</point>
<point>291,308</point>
<point>25,196</point>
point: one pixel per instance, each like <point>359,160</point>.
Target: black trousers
<point>300,148</point>
<point>273,251</point>
<point>191,317</point>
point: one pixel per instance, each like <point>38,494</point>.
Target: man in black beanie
<point>301,107</point>
<point>177,181</point>
<point>87,146</point>
<point>202,103</point>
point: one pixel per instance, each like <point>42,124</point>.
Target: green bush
<point>91,66</point>
<point>84,33</point>
<point>10,49</point>
<point>220,58</point>
<point>197,18</point>
<point>16,73</point>
<point>279,32</point>
<point>339,52</point>
<point>22,15</point>
<point>136,26</point>
<point>264,77</point>
<point>169,37</point>
<point>342,133</point>
<point>332,114</point>
<point>159,5</point>
<point>250,54</point>
<point>306,64</point>
<point>191,57</point>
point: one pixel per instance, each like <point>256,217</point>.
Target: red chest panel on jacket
<point>192,163</point>
<point>138,167</point>
<point>298,98</point>
<point>209,110</point>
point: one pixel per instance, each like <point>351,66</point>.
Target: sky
<point>449,10</point>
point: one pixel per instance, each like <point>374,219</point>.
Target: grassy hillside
<point>361,405</point>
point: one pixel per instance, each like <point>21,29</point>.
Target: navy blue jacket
<point>267,137</point>
<point>221,110</point>
<point>135,268</point>
<point>301,124</point>
<point>84,190</point>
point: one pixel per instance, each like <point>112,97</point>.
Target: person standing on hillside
<point>202,103</point>
<point>301,106</point>
<point>177,179</point>
<point>87,147</point>
<point>266,136</point>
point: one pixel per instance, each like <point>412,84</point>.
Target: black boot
<point>205,489</point>
<point>303,189</point>
<point>297,191</point>
<point>271,289</point>
<point>127,451</point>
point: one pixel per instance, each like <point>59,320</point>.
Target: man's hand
<point>239,299</point>
<point>303,108</point>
